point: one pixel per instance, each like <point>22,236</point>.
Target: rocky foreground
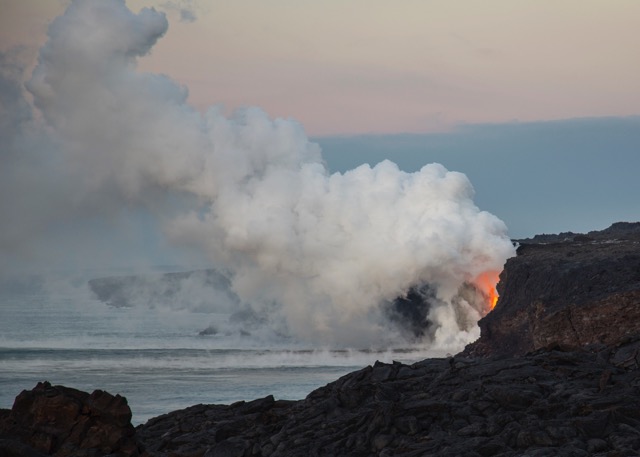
<point>555,372</point>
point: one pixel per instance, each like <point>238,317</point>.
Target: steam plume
<point>326,252</point>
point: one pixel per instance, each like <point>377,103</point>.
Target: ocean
<point>57,330</point>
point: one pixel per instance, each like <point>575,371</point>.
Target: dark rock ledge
<point>566,290</point>
<point>57,420</point>
<point>555,372</point>
<point>548,403</point>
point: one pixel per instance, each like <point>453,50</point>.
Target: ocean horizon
<point>58,331</point>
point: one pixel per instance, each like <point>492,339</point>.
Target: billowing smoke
<point>328,254</point>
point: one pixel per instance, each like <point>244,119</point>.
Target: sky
<point>374,66</point>
<point>537,102</point>
<point>538,177</point>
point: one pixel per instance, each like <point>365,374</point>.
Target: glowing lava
<point>493,297</point>
<point>487,282</point>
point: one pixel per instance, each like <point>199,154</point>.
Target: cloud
<point>325,252</point>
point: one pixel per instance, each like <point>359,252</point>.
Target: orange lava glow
<point>487,282</point>
<point>493,298</point>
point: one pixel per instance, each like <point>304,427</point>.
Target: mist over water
<point>316,257</point>
<point>59,332</point>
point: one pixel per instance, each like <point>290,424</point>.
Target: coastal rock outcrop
<point>576,403</point>
<point>567,290</point>
<point>61,421</point>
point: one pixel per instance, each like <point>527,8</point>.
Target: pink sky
<point>375,66</point>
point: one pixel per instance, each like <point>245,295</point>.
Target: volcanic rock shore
<point>570,290</point>
<point>555,372</point>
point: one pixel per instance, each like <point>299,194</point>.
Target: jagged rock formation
<point>548,403</point>
<point>60,421</point>
<point>555,372</point>
<point>566,290</point>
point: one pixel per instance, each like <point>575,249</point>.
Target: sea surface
<point>57,330</point>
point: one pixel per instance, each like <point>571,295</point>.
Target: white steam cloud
<point>324,252</point>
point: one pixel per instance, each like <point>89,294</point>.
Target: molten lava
<point>487,282</point>
<point>493,297</point>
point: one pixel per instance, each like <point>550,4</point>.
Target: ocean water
<point>57,330</point>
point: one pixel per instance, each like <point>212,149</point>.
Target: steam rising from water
<point>321,255</point>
